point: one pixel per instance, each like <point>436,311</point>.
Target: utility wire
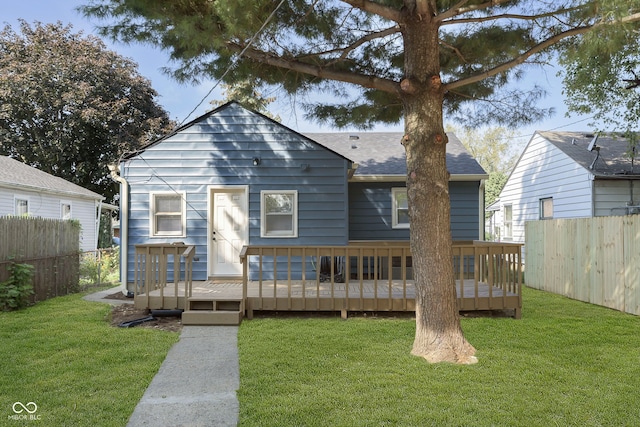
<point>217,83</point>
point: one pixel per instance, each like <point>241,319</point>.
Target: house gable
<point>544,171</point>
<point>233,147</point>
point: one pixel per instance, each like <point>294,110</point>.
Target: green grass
<point>63,355</point>
<point>565,363</point>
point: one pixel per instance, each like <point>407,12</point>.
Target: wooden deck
<point>361,276</point>
<point>323,296</point>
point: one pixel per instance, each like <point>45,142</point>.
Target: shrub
<point>15,292</point>
<point>100,268</point>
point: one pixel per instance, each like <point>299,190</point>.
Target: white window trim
<point>508,236</point>
<point>263,214</point>
<point>15,202</point>
<point>394,211</point>
<point>541,207</point>
<point>152,216</point>
<point>62,204</point>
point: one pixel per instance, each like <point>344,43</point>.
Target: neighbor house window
<point>167,214</point>
<point>508,221</point>
<point>65,210</point>
<point>399,208</point>
<point>21,206</point>
<point>279,213</point>
<point>546,208</point>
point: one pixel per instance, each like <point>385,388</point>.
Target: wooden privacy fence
<point>596,260</point>
<point>50,246</point>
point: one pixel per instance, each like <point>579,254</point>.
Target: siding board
<point>219,151</point>
<point>370,211</point>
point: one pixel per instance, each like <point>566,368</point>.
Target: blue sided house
<point>234,178</point>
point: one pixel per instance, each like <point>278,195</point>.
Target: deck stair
<point>213,311</point>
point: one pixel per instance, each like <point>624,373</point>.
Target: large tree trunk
<point>439,336</point>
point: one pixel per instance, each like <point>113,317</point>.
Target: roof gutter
<point>114,170</point>
<point>51,191</point>
<point>403,178</point>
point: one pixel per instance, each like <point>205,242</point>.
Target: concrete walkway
<point>197,382</point>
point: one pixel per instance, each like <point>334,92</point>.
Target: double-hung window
<point>399,208</point>
<point>167,214</point>
<point>65,210</point>
<point>21,206</point>
<point>508,221</point>
<point>279,213</point>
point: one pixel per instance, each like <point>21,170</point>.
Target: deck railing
<point>158,265</point>
<point>374,276</point>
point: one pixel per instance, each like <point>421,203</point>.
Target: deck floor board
<point>310,289</point>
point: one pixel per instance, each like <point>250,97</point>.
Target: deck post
<point>245,279</point>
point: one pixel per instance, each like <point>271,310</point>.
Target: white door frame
<point>211,191</point>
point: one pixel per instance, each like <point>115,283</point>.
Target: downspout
<point>481,206</point>
<point>593,195</point>
<point>124,225</point>
<point>99,217</point>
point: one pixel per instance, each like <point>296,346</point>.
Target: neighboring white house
<point>25,190</point>
<point>568,175</point>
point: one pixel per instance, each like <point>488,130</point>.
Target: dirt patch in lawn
<point>127,312</point>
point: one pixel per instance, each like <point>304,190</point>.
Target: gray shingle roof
<point>613,161</point>
<point>17,174</point>
<point>380,153</point>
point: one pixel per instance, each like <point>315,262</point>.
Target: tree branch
<point>502,16</point>
<point>537,49</point>
<point>353,46</point>
<point>458,8</point>
<point>455,50</point>
<point>377,9</point>
<point>364,80</point>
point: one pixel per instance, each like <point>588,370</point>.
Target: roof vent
<point>573,141</point>
<point>353,137</point>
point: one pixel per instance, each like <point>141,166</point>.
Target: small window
<point>508,222</point>
<point>279,214</point>
<point>167,214</point>
<point>21,206</point>
<point>65,210</point>
<point>399,208</point>
<point>546,208</point>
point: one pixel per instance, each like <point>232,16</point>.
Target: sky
<point>181,99</point>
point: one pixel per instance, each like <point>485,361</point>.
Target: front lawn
<point>564,363</point>
<point>63,356</point>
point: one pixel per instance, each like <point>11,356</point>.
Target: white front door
<point>229,231</point>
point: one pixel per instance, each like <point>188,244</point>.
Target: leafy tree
<point>378,61</point>
<point>601,71</point>
<point>492,149</point>
<point>493,187</point>
<point>69,106</point>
